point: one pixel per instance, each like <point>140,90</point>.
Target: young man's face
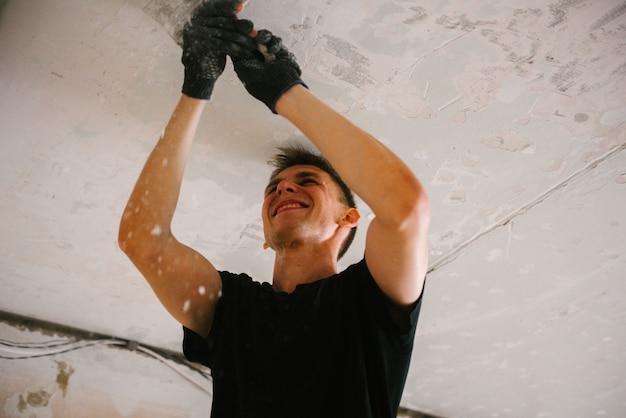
<point>301,203</point>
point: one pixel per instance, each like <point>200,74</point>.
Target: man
<point>315,342</point>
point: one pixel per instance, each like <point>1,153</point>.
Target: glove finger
<point>219,48</point>
<point>249,64</point>
<point>212,39</point>
<point>275,45</point>
<point>243,26</point>
<point>263,36</point>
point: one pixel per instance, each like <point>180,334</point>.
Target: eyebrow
<point>299,176</point>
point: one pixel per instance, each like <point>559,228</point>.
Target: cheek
<point>264,210</point>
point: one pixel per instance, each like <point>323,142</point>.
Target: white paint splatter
<point>186,305</point>
<point>164,162</point>
<point>202,290</point>
<point>495,255</point>
<point>156,230</point>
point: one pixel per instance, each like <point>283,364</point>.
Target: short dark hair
<point>299,155</point>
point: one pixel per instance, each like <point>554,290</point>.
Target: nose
<point>285,187</point>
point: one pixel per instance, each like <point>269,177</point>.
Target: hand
<point>268,74</point>
<point>207,39</point>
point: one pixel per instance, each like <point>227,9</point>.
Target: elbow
<point>417,215</point>
<point>139,243</point>
<point>126,235</point>
<point>125,238</point>
<point>413,210</point>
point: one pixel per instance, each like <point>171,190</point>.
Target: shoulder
<point>237,281</point>
<point>364,290</point>
<point>355,284</point>
<point>240,290</point>
<point>356,271</point>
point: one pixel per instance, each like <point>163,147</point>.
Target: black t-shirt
<point>328,349</point>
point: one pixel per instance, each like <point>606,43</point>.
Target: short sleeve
<point>235,287</point>
<point>379,310</point>
<point>195,347</point>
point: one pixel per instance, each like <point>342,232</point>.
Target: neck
<point>302,265</point>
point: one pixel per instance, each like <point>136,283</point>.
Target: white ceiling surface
<point>514,117</point>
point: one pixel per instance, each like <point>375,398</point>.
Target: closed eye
<point>307,181</point>
<point>270,189</point>
<point>304,178</point>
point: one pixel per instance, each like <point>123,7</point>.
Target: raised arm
<point>396,249</point>
<point>397,246</point>
<point>184,281</point>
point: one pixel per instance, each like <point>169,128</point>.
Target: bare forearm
<point>148,214</point>
<point>369,168</point>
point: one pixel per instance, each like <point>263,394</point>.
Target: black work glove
<point>268,74</point>
<point>212,33</point>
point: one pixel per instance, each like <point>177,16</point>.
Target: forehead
<point>299,171</point>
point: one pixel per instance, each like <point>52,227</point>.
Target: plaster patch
<point>456,196</point>
<point>555,166</point>
<point>479,86</point>
<point>444,176</point>
<point>349,65</point>
<point>614,117</point>
<point>511,88</point>
<point>510,141</point>
<point>451,170</point>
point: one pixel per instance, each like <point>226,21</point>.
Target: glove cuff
<point>272,104</point>
<point>197,87</point>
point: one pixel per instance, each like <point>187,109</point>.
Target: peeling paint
<point>63,376</point>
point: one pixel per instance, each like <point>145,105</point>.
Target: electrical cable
<point>168,363</point>
<point>51,343</point>
<point>10,350</point>
<point>24,351</point>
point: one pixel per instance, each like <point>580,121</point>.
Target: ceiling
<point>513,117</point>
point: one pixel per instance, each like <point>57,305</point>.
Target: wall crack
<point>452,254</point>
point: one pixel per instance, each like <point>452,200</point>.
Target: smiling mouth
<point>288,206</point>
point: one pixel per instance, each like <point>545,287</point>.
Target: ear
<point>265,245</point>
<point>350,219</point>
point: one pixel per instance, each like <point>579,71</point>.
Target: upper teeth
<point>288,206</point>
